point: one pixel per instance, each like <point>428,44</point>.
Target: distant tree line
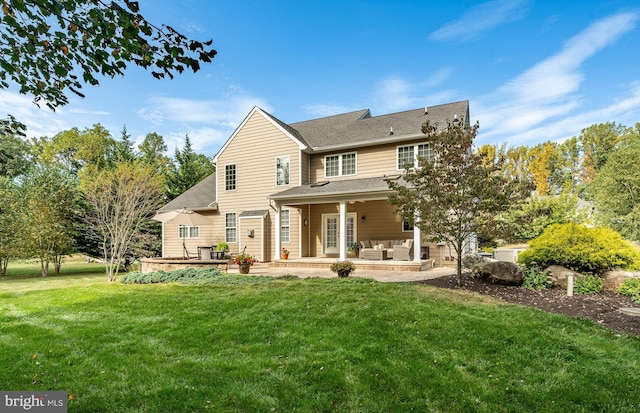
<point>590,178</point>
<point>82,191</point>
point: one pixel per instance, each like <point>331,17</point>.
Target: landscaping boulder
<point>611,280</point>
<point>559,275</point>
<point>498,272</point>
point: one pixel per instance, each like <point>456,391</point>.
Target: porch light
<point>363,218</point>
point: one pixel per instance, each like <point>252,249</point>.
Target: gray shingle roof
<point>360,127</point>
<point>201,196</point>
<point>351,187</point>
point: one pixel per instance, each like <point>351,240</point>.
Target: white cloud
<point>39,121</point>
<point>395,94</point>
<point>530,106</point>
<point>480,18</point>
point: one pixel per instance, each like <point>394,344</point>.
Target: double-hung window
<point>282,170</point>
<point>407,155</point>
<point>230,227</point>
<point>185,231</point>
<point>230,177</point>
<point>340,165</point>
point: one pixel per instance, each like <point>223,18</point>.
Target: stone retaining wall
<point>171,264</point>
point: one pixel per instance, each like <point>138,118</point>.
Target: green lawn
<point>304,345</point>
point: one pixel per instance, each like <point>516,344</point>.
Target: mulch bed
<point>602,309</point>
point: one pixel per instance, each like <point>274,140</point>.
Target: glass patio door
<point>331,232</point>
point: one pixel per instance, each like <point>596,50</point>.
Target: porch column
<point>278,250</point>
<point>342,231</point>
<point>417,240</point>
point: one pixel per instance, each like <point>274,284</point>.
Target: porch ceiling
<point>364,189</point>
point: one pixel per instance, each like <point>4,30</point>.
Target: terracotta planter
<point>285,256</point>
<point>244,268</point>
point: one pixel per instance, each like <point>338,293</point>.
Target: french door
<point>331,232</point>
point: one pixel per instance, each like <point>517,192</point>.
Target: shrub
<point>591,284</point>
<point>631,287</point>
<point>343,268</point>
<point>581,249</point>
<point>184,276</point>
<point>536,279</point>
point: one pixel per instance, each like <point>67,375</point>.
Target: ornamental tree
<point>453,194</point>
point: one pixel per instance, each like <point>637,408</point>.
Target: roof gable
<point>287,130</point>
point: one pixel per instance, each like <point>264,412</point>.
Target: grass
<point>305,345</point>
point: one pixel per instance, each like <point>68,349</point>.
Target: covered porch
<point>336,216</point>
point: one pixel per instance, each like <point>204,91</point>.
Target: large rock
<point>559,275</point>
<point>498,272</point>
<point>611,280</point>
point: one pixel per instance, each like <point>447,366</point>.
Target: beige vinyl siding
<point>253,244</point>
<point>371,161</point>
<point>173,243</point>
<point>254,150</point>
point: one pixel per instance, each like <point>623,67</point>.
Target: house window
<point>185,231</point>
<point>407,227</point>
<point>230,177</point>
<point>424,151</point>
<point>282,170</point>
<point>408,155</point>
<point>231,230</point>
<point>405,157</point>
<point>340,165</point>
<point>285,226</point>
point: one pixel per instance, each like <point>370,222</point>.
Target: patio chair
<point>403,252</point>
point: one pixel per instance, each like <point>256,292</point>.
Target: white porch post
<point>417,240</point>
<point>342,238</point>
<point>278,250</point>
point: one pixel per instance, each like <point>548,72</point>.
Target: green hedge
<point>582,249</point>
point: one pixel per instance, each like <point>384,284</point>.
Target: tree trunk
<point>4,261</point>
<point>57,264</point>
<point>458,249</point>
<point>44,267</point>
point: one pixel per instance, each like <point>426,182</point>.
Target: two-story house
<point>312,187</point>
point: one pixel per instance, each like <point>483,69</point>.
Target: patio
<point>361,264</point>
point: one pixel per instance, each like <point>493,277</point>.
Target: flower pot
<point>285,256</point>
<point>244,267</point>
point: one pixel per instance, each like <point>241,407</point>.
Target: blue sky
<point>532,70</point>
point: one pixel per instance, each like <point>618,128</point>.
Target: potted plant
<point>343,268</point>
<point>222,249</point>
<point>354,249</point>
<point>285,253</point>
<point>244,261</point>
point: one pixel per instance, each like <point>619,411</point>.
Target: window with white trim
<point>282,170</point>
<point>407,155</point>
<point>230,177</point>
<point>230,227</point>
<point>186,231</point>
<point>285,225</point>
<point>340,165</point>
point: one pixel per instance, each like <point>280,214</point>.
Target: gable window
<point>230,177</point>
<point>230,228</point>
<point>408,155</point>
<point>285,226</point>
<point>340,165</point>
<point>185,231</point>
<point>407,227</point>
<point>282,170</point>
